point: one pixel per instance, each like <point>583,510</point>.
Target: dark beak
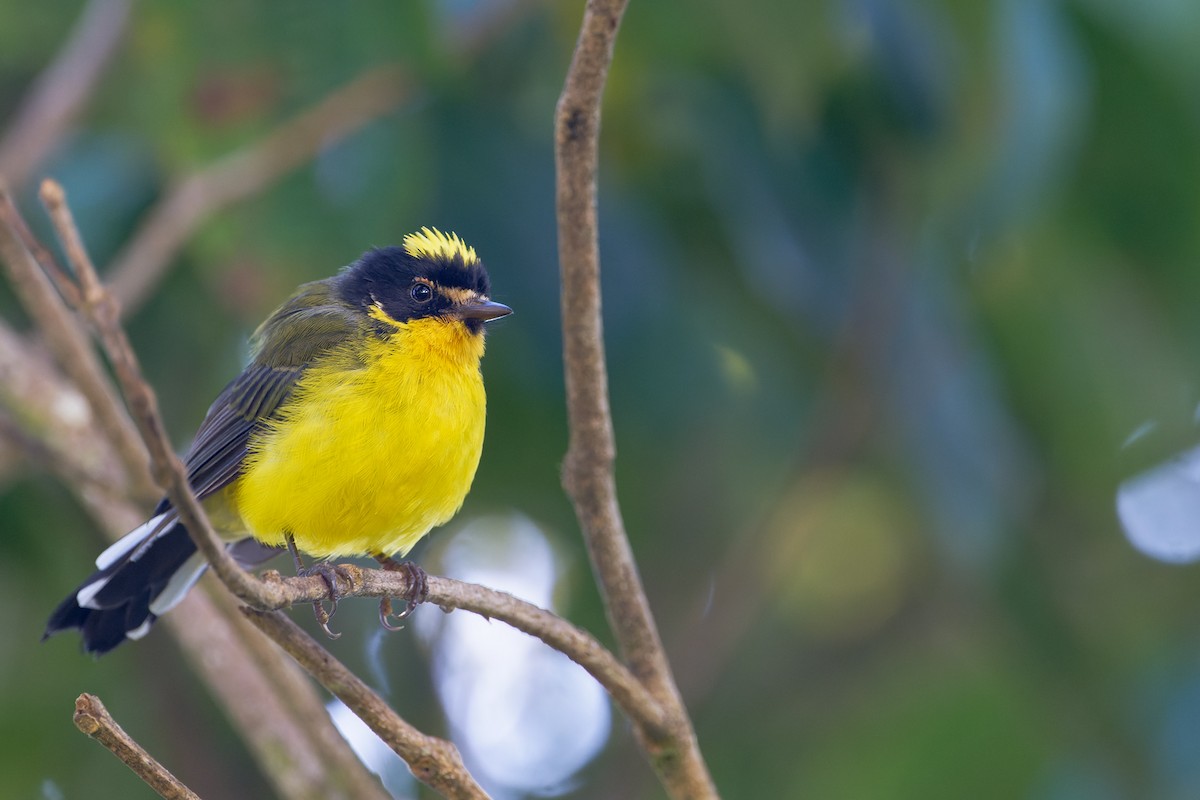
<point>482,310</point>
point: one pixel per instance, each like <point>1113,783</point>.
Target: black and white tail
<point>137,580</point>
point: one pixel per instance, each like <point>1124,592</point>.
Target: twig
<point>580,646</point>
<point>71,346</point>
<point>11,216</point>
<point>166,467</point>
<point>588,465</point>
<point>142,261</point>
<point>63,89</point>
<point>435,762</point>
<point>92,718</point>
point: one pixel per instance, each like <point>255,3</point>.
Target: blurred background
<point>897,294</point>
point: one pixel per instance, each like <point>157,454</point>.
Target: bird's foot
<point>418,591</point>
<point>328,573</point>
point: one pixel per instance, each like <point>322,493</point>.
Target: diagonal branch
<point>591,452</point>
<point>166,467</point>
<point>92,718</point>
<point>433,761</point>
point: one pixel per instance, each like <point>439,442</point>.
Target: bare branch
<point>63,89</point>
<point>92,718</point>
<point>167,226</point>
<point>339,772</point>
<point>591,452</point>
<point>433,761</point>
<point>11,216</point>
<point>166,467</point>
<point>577,644</point>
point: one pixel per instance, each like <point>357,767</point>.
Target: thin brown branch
<point>166,467</point>
<point>63,89</point>
<point>92,718</point>
<point>342,773</point>
<point>435,762</point>
<point>141,262</point>
<point>71,347</point>
<point>591,452</point>
<point>581,647</point>
<point>577,644</point>
<point>11,216</point>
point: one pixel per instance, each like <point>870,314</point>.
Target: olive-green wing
<point>309,325</point>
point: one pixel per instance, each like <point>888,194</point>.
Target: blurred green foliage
<point>888,285</point>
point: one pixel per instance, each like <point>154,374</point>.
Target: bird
<point>355,428</point>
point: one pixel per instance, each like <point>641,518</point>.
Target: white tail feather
<point>87,594</point>
<point>128,542</point>
<point>139,631</point>
<point>183,579</point>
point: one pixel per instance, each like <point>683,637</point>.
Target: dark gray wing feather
<point>308,326</point>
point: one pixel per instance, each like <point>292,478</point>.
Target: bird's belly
<point>364,465</point>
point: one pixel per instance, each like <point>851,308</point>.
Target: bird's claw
<point>385,611</point>
<point>328,573</point>
<point>418,591</point>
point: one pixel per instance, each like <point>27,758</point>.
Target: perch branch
<point>92,718</point>
<point>591,452</point>
<point>337,765</point>
<point>433,761</point>
<point>578,645</point>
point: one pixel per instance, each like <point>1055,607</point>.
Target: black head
<point>432,275</point>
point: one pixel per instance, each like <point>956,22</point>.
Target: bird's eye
<point>421,292</point>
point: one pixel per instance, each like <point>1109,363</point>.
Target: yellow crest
<point>432,243</point>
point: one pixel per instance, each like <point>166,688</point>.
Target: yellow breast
<point>378,443</point>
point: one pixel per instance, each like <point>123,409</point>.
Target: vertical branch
<point>591,452</point>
